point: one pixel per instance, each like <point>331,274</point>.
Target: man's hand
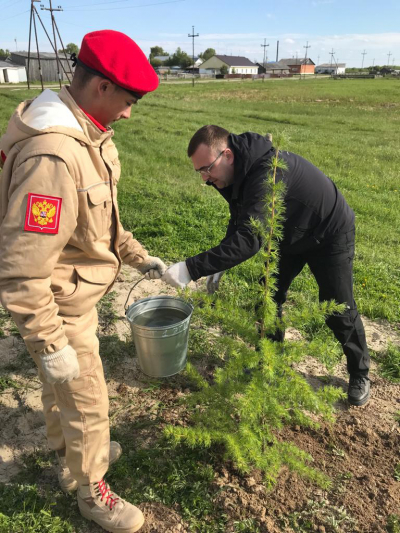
<point>177,275</point>
<point>60,366</point>
<point>213,282</point>
<point>153,267</point>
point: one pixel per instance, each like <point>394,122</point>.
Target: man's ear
<point>229,156</point>
<point>105,86</point>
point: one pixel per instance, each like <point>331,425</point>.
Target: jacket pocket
<point>95,210</point>
<point>99,211</point>
<point>92,284</point>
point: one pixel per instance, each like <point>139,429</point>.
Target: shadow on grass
<point>178,478</point>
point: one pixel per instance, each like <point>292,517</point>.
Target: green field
<point>348,128</point>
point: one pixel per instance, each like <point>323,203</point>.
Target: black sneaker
<point>359,389</point>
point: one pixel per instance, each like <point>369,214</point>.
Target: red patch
<point>42,213</point>
<point>3,156</point>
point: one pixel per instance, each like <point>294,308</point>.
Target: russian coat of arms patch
<point>42,213</point>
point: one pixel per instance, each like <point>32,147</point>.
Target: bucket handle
<point>132,288</point>
<point>130,292</point>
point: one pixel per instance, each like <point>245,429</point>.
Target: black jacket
<point>314,208</point>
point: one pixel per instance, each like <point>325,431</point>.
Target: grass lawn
<point>349,129</point>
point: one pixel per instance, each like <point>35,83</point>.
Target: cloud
<point>289,41</point>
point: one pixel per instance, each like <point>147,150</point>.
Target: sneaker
<point>98,503</point>
<point>359,390</point>
<point>67,482</point>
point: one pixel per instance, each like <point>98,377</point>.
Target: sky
<point>345,27</point>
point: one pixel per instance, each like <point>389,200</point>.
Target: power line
<point>17,15</point>
<point>12,4</point>
<point>99,3</point>
<point>126,7</point>
<point>3,3</point>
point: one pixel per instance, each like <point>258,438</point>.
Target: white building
<point>330,68</point>
<point>11,72</point>
<point>197,61</point>
<point>234,64</point>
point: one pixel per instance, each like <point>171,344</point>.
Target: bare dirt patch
<point>359,452</point>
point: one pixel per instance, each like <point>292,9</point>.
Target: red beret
<point>114,55</point>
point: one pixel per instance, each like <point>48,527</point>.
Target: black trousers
<point>331,263</point>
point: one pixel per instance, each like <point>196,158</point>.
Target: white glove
<point>153,267</point>
<point>177,275</point>
<point>60,366</point>
<point>213,282</point>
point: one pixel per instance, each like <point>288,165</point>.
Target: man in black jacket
<point>318,230</point>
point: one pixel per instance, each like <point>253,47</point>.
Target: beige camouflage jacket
<point>61,240</point>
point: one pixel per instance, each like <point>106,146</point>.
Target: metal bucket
<point>160,330</point>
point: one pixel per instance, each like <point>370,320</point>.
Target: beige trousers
<point>76,413</point>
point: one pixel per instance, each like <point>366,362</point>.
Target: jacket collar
<point>93,135</point>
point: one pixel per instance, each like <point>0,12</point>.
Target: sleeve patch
<point>42,213</point>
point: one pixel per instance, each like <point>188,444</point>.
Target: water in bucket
<point>156,318</point>
<point>160,330</point>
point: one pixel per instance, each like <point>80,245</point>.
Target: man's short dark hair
<point>82,76</point>
<point>212,136</point>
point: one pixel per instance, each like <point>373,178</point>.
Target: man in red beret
<point>59,208</point>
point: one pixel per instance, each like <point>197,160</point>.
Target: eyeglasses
<point>206,170</point>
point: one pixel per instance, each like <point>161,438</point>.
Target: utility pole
<point>389,54</point>
<point>307,46</point>
<point>48,36</point>
<point>332,54</point>
<point>264,46</point>
<point>277,51</point>
<point>363,54</point>
<point>373,62</point>
<point>34,14</point>
<point>193,36</point>
<point>16,45</point>
<point>32,19</point>
<point>51,9</point>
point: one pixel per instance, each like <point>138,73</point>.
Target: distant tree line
<point>178,59</point>
<point>375,68</point>
<point>4,53</point>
